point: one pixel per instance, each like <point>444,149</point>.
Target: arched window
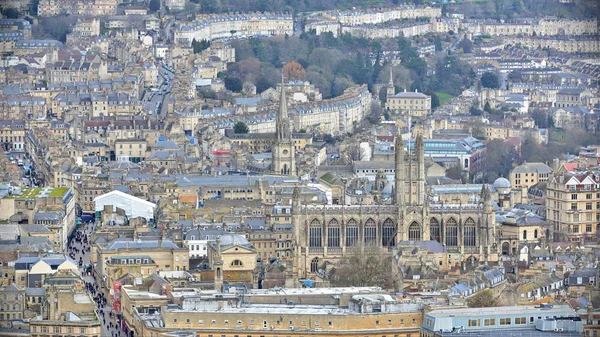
<point>315,234</point>
<point>470,234</point>
<point>333,233</point>
<point>314,265</point>
<point>414,231</point>
<point>237,263</point>
<point>434,229</point>
<point>218,272</point>
<point>451,233</point>
<point>535,233</point>
<point>525,235</point>
<point>388,231</point>
<point>370,232</point>
<point>351,233</point>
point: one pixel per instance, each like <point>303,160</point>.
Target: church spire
<point>391,81</point>
<point>283,125</point>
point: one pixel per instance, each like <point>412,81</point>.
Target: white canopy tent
<point>134,207</point>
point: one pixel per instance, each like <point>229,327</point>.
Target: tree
<point>490,80</point>
<point>199,46</point>
<point>435,100</point>
<point>377,268</point>
<point>240,127</point>
<point>466,45</point>
<point>11,13</point>
<point>233,84</point>
<point>487,108</point>
<point>154,6</point>
<point>455,172</point>
<point>294,71</point>
<point>483,299</point>
<point>438,43</point>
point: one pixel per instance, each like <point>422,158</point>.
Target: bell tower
<point>283,151</point>
<point>390,90</point>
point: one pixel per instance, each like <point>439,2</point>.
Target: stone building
<point>330,232</point>
<point>283,150</point>
<point>410,103</point>
<point>573,202</point>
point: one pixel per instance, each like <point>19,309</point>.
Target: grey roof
<point>231,239</point>
<point>131,244</point>
<point>502,183</point>
<point>35,291</point>
<point>532,167</point>
<point>48,216</point>
<point>430,245</point>
<point>410,94</point>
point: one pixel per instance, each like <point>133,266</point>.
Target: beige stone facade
<point>529,174</point>
<point>573,206</point>
<point>89,27</point>
<point>328,233</point>
<point>410,103</point>
<point>214,27</point>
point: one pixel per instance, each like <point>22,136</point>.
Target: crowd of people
<point>79,249</point>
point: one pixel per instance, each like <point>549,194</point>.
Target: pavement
<point>105,312</point>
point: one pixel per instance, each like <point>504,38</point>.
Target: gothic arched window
<point>414,232</point>
<point>370,232</point>
<point>315,234</point>
<point>434,229</point>
<point>451,233</point>
<point>351,233</point>
<point>470,233</point>
<point>333,233</point>
<point>314,265</point>
<point>388,231</point>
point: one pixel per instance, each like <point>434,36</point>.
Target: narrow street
<point>80,250</point>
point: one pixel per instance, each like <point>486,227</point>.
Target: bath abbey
<point>326,233</point>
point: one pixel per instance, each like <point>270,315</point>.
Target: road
<point>154,100</point>
<point>78,249</point>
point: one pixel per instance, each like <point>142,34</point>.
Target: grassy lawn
<point>58,192</point>
<point>444,97</point>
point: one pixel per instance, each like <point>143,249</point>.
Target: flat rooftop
<point>514,310</point>
<point>278,309</point>
<point>315,291</point>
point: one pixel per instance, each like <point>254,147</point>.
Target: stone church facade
<point>326,233</point>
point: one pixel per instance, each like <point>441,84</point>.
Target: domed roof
<point>501,183</point>
<point>232,239</point>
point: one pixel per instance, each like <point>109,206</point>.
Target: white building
<point>134,207</point>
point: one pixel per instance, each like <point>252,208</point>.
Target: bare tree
<point>483,299</point>
<point>372,267</point>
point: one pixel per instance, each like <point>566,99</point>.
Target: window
<point>187,320</point>
<point>489,321</point>
<point>473,322</point>
<point>237,263</point>
<point>388,231</point>
<point>469,233</point>
<point>505,321</point>
<point>574,206</point>
<point>573,196</point>
<point>521,320</point>
<point>414,232</point>
<point>451,233</point>
<point>333,234</point>
<point>588,228</point>
<point>82,331</point>
<point>370,234</point>
<point>351,233</point>
<point>588,196</point>
<point>434,229</point>
<point>588,206</point>
<point>315,233</point>
<point>174,320</point>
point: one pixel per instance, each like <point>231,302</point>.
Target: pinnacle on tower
<point>282,124</point>
<point>391,82</point>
